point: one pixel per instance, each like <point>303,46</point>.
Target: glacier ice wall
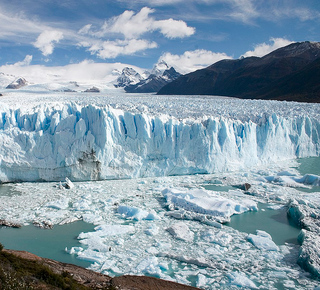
<point>87,142</point>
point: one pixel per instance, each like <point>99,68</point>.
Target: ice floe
<point>262,241</point>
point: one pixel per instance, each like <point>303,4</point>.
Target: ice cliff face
<point>87,142</point>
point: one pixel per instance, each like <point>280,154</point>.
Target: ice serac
<point>89,142</point>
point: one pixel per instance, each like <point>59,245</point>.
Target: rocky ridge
<point>288,73</point>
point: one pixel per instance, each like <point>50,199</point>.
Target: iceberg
<point>81,141</point>
<point>201,201</point>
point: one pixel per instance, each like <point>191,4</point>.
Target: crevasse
<point>99,142</point>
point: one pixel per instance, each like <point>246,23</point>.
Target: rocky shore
<point>23,269</point>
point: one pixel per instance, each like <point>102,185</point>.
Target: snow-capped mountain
<point>127,77</point>
<point>159,68</point>
<point>6,79</point>
<point>17,84</point>
<point>161,75</point>
<point>146,82</point>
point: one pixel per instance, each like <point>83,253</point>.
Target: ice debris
<point>134,213</point>
<point>181,231</point>
<point>305,212</point>
<point>240,280</point>
<point>263,241</point>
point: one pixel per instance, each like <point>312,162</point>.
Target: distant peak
<point>159,68</point>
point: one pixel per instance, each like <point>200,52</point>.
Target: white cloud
<point>192,60</point>
<point>27,60</point>
<point>17,27</point>
<point>111,49</point>
<point>243,10</point>
<point>263,48</point>
<point>85,72</point>
<point>85,29</point>
<point>130,26</point>
<point>133,26</point>
<point>171,28</point>
<point>45,41</point>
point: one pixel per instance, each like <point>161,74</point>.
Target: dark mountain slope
<point>253,77</point>
<point>301,86</point>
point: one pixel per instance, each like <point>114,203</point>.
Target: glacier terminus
<point>46,140</point>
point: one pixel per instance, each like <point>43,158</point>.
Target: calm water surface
<point>46,243</point>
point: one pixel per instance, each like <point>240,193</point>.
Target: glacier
<point>47,139</point>
<point>158,177</point>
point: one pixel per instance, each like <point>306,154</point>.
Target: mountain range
<point>289,73</point>
<point>160,75</point>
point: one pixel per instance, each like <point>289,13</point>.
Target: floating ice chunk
<point>181,231</point>
<point>91,218</point>
<point>74,250</point>
<point>91,256</point>
<point>151,266</point>
<point>134,213</point>
<point>152,230</point>
<point>200,201</point>
<point>201,280</point>
<point>292,180</point>
<point>69,184</point>
<point>198,261</point>
<point>309,179</point>
<point>262,241</point>
<point>218,237</point>
<point>83,204</point>
<point>107,230</point>
<point>69,220</point>
<point>289,284</point>
<point>241,280</point>
<point>59,204</point>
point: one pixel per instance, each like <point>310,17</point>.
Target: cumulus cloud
<point>133,25</point>
<point>192,60</point>
<point>130,27</point>
<point>111,49</point>
<point>265,48</point>
<point>46,40</point>
<point>171,28</point>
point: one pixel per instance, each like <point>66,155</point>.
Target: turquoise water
<point>7,190</point>
<point>224,188</point>
<point>46,243</point>
<point>310,165</point>
<point>274,222</point>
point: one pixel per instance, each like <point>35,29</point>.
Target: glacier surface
<point>153,213</point>
<point>50,137</point>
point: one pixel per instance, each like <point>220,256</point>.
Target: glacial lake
<point>46,243</point>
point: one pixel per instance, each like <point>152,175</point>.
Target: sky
<point>187,34</point>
